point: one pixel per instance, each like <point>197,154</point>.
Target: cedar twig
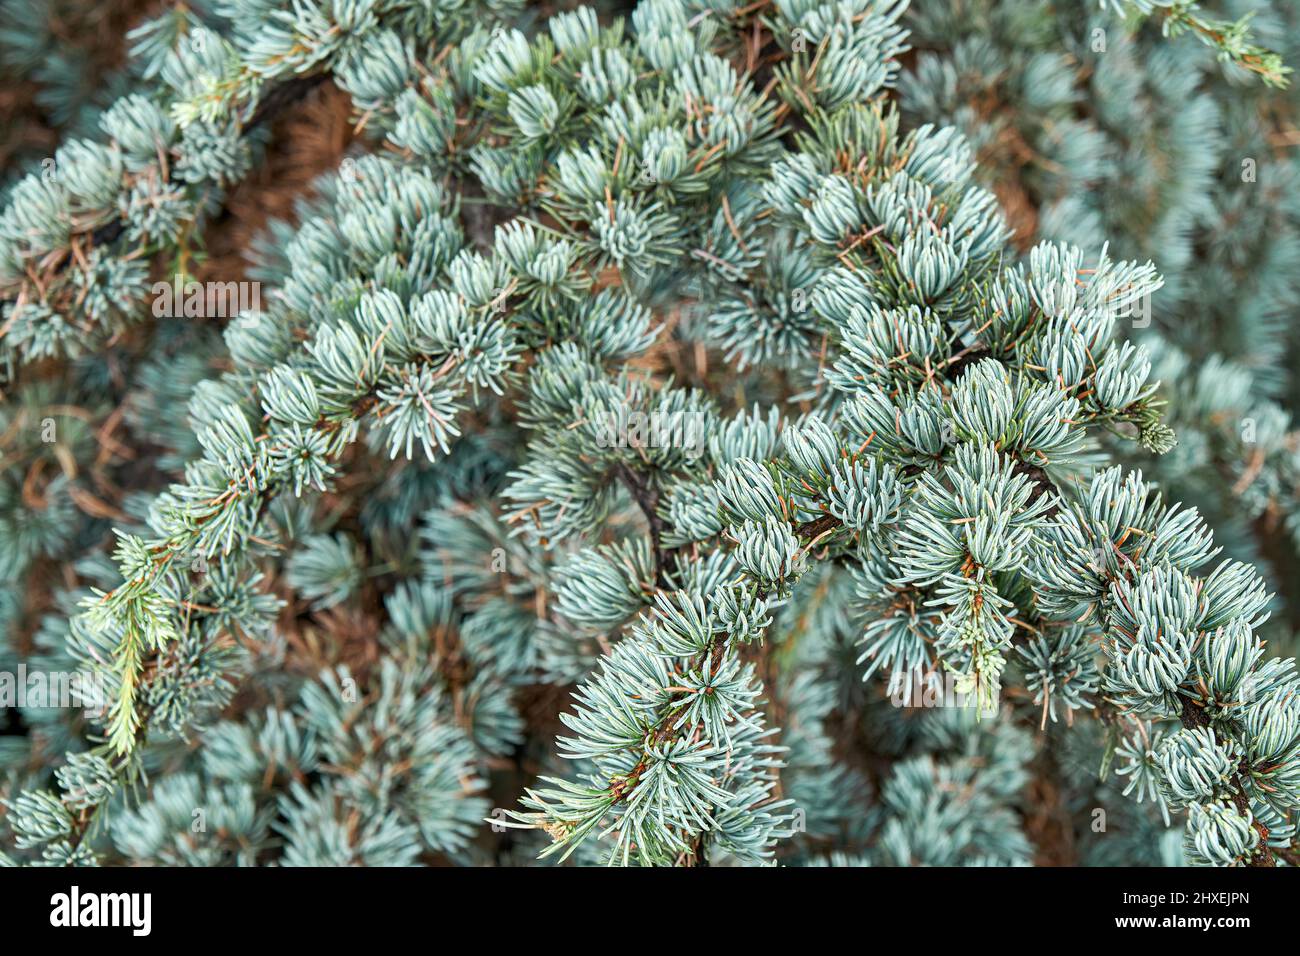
<point>1194,718</point>
<point>276,101</point>
<point>646,495</point>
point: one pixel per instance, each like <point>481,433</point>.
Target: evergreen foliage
<point>656,445</point>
